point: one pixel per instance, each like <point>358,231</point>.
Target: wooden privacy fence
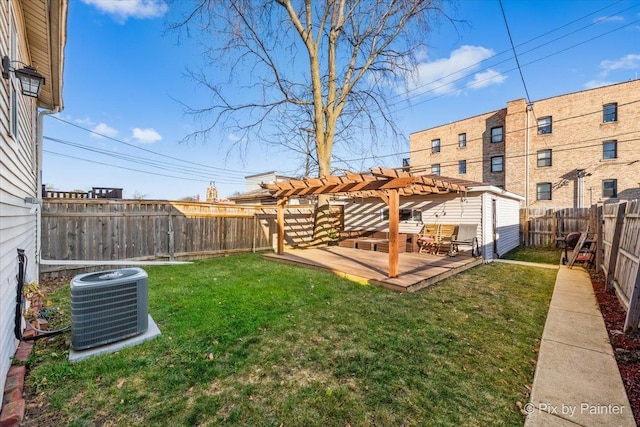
<point>541,227</point>
<point>621,244</point>
<point>82,229</point>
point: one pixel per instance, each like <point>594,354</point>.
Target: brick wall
<point>575,143</point>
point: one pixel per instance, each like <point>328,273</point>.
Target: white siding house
<point>496,234</point>
<point>33,33</point>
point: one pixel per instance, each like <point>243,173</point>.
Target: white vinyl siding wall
<point>474,208</point>
<point>365,214</point>
<point>17,181</point>
<point>508,221</point>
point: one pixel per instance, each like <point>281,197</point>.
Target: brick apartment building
<point>570,150</point>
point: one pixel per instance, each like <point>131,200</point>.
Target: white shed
<point>494,210</point>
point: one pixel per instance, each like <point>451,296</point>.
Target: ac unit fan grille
<point>104,312</point>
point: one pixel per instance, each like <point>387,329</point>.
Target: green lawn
<point>546,255</point>
<point>252,342</point>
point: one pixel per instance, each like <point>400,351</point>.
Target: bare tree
<point>326,66</point>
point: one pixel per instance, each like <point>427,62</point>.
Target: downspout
<point>39,134</point>
<point>526,158</point>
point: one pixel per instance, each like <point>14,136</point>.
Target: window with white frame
<point>435,169</point>
<point>405,215</point>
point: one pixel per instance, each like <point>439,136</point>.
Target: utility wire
<point>563,36</point>
<point>150,151</point>
<point>455,144</point>
<point>198,172</point>
<point>131,169</point>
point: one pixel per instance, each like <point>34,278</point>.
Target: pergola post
<point>394,221</point>
<point>281,203</point>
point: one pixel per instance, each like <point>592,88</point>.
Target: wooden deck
<point>416,270</point>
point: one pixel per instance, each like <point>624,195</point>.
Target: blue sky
<point>125,81</point>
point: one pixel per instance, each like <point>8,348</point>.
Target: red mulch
<point>625,346</point>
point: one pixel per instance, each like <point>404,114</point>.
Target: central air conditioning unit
<point>108,306</point>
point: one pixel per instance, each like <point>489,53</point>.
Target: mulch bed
<point>625,346</point>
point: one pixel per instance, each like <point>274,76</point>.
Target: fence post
<point>526,226</point>
<point>615,245</point>
<point>633,313</point>
<point>171,239</point>
<point>599,246</point>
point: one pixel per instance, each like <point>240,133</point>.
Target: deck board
<point>416,270</point>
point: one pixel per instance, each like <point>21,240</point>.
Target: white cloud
<point>591,84</point>
<point>104,130</point>
<point>444,75</point>
<point>234,138</point>
<point>486,78</point>
<point>146,136</point>
<point>86,121</point>
<point>627,62</point>
<point>121,10</point>
<point>613,18</point>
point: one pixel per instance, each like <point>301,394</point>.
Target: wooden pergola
<point>386,184</point>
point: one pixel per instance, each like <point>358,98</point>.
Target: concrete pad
<point>540,417</point>
<point>152,332</point>
<point>577,329</point>
<point>584,386</point>
<point>576,302</point>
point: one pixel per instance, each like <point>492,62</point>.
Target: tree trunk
<point>323,229</point>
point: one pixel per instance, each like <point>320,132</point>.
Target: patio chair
<point>446,233</point>
<point>427,237</point>
<point>466,236</point>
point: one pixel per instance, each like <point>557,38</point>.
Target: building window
<point>435,169</point>
<point>404,215</point>
<point>462,167</point>
<point>544,125</point>
<point>610,188</point>
<point>544,158</point>
<point>610,150</point>
<point>497,134</point>
<point>462,140</point>
<point>406,162</point>
<point>497,164</point>
<point>435,145</point>
<point>610,113</point>
<point>543,191</point>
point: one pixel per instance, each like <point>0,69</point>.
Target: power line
<point>519,45</point>
<point>515,54</point>
<point>151,151</point>
<point>455,144</point>
<point>130,169</point>
<point>198,172</point>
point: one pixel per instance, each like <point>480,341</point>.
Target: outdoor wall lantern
<point>30,80</point>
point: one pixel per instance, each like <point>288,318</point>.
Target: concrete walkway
<point>577,382</point>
